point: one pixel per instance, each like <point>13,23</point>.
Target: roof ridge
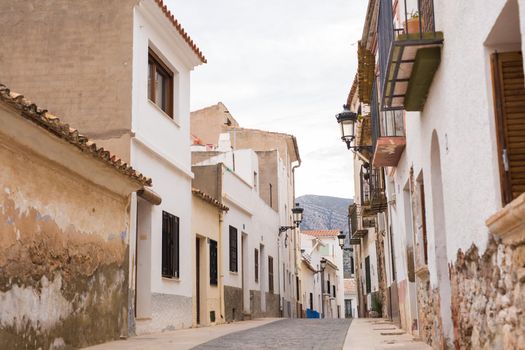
<point>181,30</point>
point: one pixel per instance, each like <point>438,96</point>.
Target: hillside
<point>324,212</point>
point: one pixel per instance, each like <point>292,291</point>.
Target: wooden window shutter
<point>256,255</point>
<point>166,252</point>
<point>170,245</point>
<point>213,262</point>
<point>509,104</point>
<point>270,274</point>
<point>233,249</point>
<point>175,245</point>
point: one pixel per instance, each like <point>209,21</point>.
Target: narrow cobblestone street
<point>272,333</point>
<point>286,334</point>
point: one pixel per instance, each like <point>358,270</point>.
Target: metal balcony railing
<point>378,200</point>
<point>392,123</point>
<point>412,26</point>
<point>364,177</point>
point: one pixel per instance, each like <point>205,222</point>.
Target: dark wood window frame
<point>297,289</point>
<point>234,237</point>
<point>170,245</point>
<point>270,274</point>
<point>368,282</point>
<point>213,263</point>
<point>256,260</point>
<point>156,66</point>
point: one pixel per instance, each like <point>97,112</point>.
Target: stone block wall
<point>233,304</point>
<point>430,323</point>
<point>488,297</point>
<point>272,305</point>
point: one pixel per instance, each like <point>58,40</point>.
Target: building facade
<point>216,133</point>
<point>440,113</point>
<point>324,245</point>
<point>126,81</point>
<point>208,299</point>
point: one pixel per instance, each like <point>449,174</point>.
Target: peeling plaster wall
<point>63,256</point>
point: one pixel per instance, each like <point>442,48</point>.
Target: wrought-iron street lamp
<point>347,120</point>
<point>323,264</point>
<point>341,237</point>
<point>297,213</point>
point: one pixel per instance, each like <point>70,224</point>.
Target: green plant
<point>414,14</point>
<point>377,304</point>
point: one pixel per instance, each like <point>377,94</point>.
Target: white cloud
<point>284,66</point>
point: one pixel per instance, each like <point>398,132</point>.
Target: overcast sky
<point>281,65</point>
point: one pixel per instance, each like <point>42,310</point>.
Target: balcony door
<point>509,104</point>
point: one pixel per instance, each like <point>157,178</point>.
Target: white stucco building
<point>215,134</point>
<point>162,62</point>
<point>323,245</point>
<point>443,146</point>
<point>249,239</point>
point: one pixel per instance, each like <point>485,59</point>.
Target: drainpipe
<point>279,273</point>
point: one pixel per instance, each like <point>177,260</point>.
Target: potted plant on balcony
<point>411,26</point>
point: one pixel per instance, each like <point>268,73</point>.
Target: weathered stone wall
<point>63,256</point>
<point>381,275</point>
<point>233,304</point>
<point>272,305</point>
<point>488,297</point>
<point>428,303</point>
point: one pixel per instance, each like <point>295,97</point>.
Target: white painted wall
<point>161,147</point>
<point>252,217</point>
<point>459,110</point>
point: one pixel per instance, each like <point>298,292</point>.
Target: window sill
<point>171,279</point>
<point>235,273</point>
<point>171,119</point>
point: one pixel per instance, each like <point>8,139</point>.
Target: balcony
<point>373,197</point>
<point>355,232</point>
<point>388,137</point>
<point>409,54</point>
<point>378,200</point>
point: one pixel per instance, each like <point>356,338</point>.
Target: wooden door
<point>509,103</point>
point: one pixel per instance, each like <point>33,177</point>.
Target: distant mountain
<point>324,212</point>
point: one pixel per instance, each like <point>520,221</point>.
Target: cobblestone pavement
<point>327,334</point>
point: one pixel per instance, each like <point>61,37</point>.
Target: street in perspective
<point>292,175</point>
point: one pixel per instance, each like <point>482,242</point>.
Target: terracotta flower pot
<point>412,25</point>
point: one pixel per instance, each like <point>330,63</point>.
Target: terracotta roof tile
<point>207,198</point>
<point>55,126</point>
<point>321,233</point>
<point>181,30</point>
